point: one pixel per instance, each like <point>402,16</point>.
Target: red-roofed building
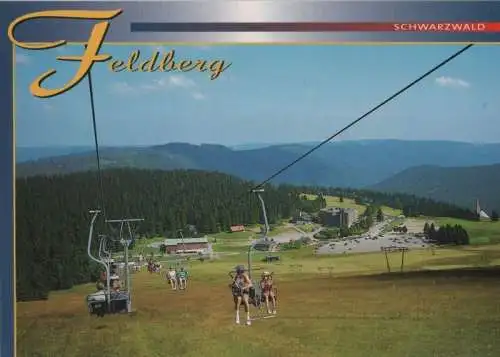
<point>239,228</point>
<point>186,245</point>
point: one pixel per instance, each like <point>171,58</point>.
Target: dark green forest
<point>52,217</point>
<point>447,234</point>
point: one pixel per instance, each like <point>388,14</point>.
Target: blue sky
<point>270,94</point>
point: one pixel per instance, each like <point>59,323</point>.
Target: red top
<point>267,284</point>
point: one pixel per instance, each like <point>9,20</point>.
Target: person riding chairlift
<point>114,281</point>
<point>266,284</point>
<point>182,275</point>
<point>241,292</point>
<point>172,278</point>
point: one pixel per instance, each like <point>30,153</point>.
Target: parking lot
<point>374,240</point>
<point>367,244</point>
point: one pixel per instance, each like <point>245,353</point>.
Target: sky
<point>270,94</point>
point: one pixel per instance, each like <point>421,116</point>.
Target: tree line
<point>312,206</point>
<point>447,234</point>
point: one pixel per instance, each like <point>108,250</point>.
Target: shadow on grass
<point>352,316</point>
<point>475,273</point>
<point>475,258</point>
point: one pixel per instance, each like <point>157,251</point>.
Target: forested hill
<point>53,216</point>
<point>457,185</point>
<point>340,164</point>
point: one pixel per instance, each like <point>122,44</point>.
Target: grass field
<point>328,306</point>
<point>334,201</point>
<point>232,242</point>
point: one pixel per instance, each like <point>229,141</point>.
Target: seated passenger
<point>182,275</point>
<point>172,278</point>
<point>241,286</point>
<point>266,285</point>
<point>114,281</point>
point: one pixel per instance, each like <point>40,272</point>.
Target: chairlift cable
<point>96,145</point>
<point>378,106</point>
<point>101,198</point>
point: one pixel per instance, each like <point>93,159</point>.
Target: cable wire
<point>96,143</point>
<point>378,106</point>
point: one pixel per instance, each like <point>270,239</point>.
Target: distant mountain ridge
<point>343,164</point>
<point>251,146</point>
<point>457,185</point>
<point>24,154</point>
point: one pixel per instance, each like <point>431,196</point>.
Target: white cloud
<point>122,88</point>
<point>181,81</point>
<point>22,59</point>
<point>198,95</point>
<point>178,81</point>
<point>451,82</point>
<point>164,83</point>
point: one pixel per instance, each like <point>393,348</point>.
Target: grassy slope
<point>331,304</point>
<point>333,201</point>
<point>238,241</point>
<point>318,315</point>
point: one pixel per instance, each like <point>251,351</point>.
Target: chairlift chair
<point>107,300</point>
<point>256,294</point>
<point>264,244</point>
